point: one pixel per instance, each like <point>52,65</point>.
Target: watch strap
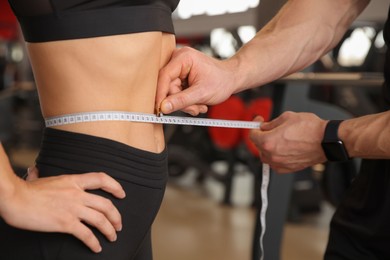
<point>333,147</point>
<point>331,130</point>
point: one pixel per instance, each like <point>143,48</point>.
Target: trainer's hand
<point>191,81</point>
<point>61,204</point>
<point>290,142</point>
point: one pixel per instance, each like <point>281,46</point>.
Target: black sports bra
<point>52,20</point>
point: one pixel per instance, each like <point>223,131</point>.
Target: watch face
<point>335,151</point>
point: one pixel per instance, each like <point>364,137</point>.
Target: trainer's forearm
<point>367,136</point>
<point>302,32</point>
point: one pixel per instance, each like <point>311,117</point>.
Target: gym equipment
<point>205,146</point>
<point>293,94</point>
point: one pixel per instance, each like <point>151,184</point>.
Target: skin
<point>105,73</point>
<point>302,32</point>
<point>59,204</point>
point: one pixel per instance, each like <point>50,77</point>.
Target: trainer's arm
<point>301,32</point>
<point>283,146</point>
<point>60,204</point>
<point>367,136</point>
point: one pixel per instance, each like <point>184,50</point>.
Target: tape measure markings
<point>147,118</point>
<point>152,118</point>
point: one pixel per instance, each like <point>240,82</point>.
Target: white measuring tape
<point>146,118</point>
<point>264,205</point>
<point>175,120</point>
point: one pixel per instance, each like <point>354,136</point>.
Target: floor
<point>193,225</point>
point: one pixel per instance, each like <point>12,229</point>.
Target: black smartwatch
<point>333,147</point>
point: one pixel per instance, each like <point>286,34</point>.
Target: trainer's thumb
<point>180,101</point>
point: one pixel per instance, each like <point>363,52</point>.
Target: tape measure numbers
<point>146,118</point>
<point>152,118</point>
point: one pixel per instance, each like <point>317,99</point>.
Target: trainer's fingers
<point>99,221</point>
<point>99,180</point>
<point>195,110</point>
<point>171,74</point>
<point>258,119</point>
<point>106,207</point>
<point>188,97</point>
<point>83,233</point>
<point>267,126</point>
<point>202,109</point>
<point>174,87</point>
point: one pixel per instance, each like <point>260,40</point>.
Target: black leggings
<point>142,174</point>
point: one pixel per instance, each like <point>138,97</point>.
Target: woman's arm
<point>297,36</point>
<point>60,204</point>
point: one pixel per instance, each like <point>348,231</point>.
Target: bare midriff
<point>116,73</point>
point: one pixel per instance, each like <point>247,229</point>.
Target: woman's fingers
<point>62,204</point>
<point>105,207</point>
<point>92,209</point>
<point>88,181</point>
<point>32,173</point>
<point>99,180</point>
<point>100,221</point>
<point>85,235</point>
<point>99,211</point>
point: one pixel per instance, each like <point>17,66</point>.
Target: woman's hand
<point>61,204</point>
<point>32,174</point>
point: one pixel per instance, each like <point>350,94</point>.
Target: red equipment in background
<point>257,107</point>
<point>235,109</point>
<point>8,23</point>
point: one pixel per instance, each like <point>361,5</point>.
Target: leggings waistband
<point>78,153</point>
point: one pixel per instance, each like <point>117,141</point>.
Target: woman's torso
<point>104,73</point>
<point>110,67</point>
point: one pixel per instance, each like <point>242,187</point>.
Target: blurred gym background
<point>211,204</point>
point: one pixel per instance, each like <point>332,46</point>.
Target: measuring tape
<point>173,120</point>
<point>146,118</point>
<point>264,205</point>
